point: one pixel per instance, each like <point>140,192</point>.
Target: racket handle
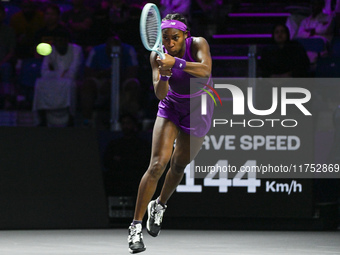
<point>161,55</point>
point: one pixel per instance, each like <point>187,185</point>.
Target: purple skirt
<point>185,113</point>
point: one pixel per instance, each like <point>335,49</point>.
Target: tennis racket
<point>150,29</point>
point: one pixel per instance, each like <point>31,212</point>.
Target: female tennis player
<point>185,57</point>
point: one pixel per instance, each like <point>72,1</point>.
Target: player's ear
<point>185,34</point>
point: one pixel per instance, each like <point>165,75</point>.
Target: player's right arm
<point>161,87</point>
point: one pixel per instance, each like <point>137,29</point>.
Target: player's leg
<point>186,149</point>
<point>164,134</point>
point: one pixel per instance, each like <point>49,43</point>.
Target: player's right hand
<point>167,72</point>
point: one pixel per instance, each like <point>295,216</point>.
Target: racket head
<point>150,29</point>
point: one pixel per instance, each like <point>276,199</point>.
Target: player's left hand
<point>166,63</point>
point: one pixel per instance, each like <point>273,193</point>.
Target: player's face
<point>174,41</point>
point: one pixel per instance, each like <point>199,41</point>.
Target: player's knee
<point>178,168</point>
<point>156,170</point>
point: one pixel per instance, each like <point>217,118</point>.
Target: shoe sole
<point>147,223</point>
<point>136,251</point>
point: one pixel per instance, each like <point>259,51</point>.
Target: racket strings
<point>151,28</point>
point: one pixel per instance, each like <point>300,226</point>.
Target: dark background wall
<point>50,178</point>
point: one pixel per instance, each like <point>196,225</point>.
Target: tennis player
<point>185,57</point>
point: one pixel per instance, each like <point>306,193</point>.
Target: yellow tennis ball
<point>44,49</point>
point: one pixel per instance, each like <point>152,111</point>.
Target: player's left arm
<point>201,53</point>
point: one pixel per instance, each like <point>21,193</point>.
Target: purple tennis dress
<point>183,108</point>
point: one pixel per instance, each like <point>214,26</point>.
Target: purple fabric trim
<point>188,43</point>
<point>164,78</point>
<point>174,24</point>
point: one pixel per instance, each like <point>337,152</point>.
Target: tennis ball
<point>44,49</point>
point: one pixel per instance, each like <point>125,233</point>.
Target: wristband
<point>180,63</point>
<point>164,78</point>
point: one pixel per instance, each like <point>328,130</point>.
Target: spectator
<point>209,16</point>
<point>119,12</point>
<point>131,24</point>
<point>79,21</point>
<point>175,6</point>
<point>284,58</point>
<point>317,25</point>
<point>26,23</point>
<point>332,7</point>
<point>101,24</point>
<point>130,99</point>
<point>123,157</point>
<point>97,84</point>
<point>210,7</point>
<point>55,91</point>
<point>7,49</point>
<point>52,25</point>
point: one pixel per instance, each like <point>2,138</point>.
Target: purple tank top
<point>182,106</point>
<point>179,82</point>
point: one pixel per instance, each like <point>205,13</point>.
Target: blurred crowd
<point>76,76</point>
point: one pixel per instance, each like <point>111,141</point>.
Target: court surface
<point>174,242</point>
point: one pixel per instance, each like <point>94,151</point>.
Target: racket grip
<point>161,55</point>
<point>180,63</point>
